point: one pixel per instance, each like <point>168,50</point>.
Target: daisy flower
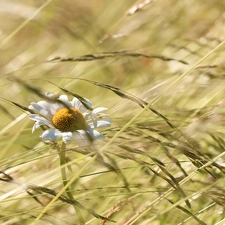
<point>68,120</point>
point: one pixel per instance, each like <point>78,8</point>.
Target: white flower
<point>68,119</point>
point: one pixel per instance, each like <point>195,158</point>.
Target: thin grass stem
<point>65,181</point>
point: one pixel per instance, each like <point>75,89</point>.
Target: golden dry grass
<point>158,66</point>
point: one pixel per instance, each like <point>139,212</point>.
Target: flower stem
<point>65,181</point>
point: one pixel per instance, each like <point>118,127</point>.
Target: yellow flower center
<point>69,120</point>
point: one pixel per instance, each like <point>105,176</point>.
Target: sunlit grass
<point>159,69</point>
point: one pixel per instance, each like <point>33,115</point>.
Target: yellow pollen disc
<point>69,120</point>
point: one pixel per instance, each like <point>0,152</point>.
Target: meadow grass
<point>158,66</point>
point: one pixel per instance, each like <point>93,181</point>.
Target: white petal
<point>36,125</point>
<point>88,102</point>
<point>100,123</point>
<point>96,134</point>
<point>98,110</point>
<point>64,99</point>
<point>95,113</point>
<point>38,118</point>
<point>78,105</point>
<point>66,137</point>
<point>46,109</point>
<point>50,95</point>
<point>35,107</point>
<point>51,135</point>
<point>55,107</point>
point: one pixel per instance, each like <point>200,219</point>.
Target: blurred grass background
<point>166,173</point>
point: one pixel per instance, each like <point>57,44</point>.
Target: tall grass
<point>158,66</point>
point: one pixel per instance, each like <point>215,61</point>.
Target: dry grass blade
<point>39,93</point>
<point>176,184</point>
<point>137,151</point>
<point>28,87</point>
<point>138,7</point>
<point>5,111</point>
<point>81,99</point>
<point>172,181</point>
<point>189,213</point>
<point>172,158</point>
<point>198,159</point>
<point>23,108</point>
<point>115,209</point>
<point>122,53</point>
<point>132,158</point>
<point>113,167</point>
<point>117,170</point>
<point>217,194</point>
<point>67,200</point>
<point>5,177</point>
<point>35,198</point>
<point>125,95</point>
